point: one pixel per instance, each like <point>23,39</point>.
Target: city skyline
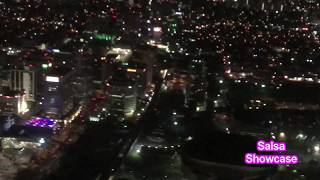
<point>159,89</point>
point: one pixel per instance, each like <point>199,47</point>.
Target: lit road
<point>130,143</point>
<point>100,149</point>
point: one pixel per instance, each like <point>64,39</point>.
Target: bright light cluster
<point>41,122</point>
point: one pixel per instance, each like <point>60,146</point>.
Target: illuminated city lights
<point>41,122</point>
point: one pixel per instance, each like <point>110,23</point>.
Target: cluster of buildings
<point>50,69</point>
<point>244,66</point>
<point>251,64</point>
<point>37,86</point>
<point>126,80</point>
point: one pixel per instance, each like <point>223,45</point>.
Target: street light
<point>42,141</point>
<point>157,29</point>
<point>282,135</point>
<point>316,148</point>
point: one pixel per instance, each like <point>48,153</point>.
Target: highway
<point>143,123</point>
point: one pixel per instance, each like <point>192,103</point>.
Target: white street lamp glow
<point>316,148</point>
<point>42,141</point>
<point>282,135</point>
<point>157,29</point>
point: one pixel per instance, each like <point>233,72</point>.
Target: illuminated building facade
<point>197,90</point>
<point>23,80</point>
<point>138,73</point>
<point>42,122</point>
<point>19,143</point>
<point>122,95</point>
<point>60,92</point>
<point>122,54</point>
<point>14,102</point>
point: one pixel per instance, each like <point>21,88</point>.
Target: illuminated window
<point>52,89</point>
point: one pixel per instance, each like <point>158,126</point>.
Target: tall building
<point>148,58</point>
<point>116,55</point>
<point>137,71</point>
<point>197,68</point>
<point>13,102</point>
<point>60,93</point>
<point>23,80</point>
<point>197,90</point>
<point>122,95</point>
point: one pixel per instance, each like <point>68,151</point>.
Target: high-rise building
<point>122,95</point>
<point>148,59</point>
<point>197,68</point>
<point>23,80</point>
<point>13,102</point>
<point>137,71</point>
<point>60,93</point>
